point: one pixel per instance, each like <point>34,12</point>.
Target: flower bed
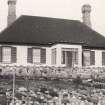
<point>53,72</point>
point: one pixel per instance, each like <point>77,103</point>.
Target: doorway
<point>69,58</point>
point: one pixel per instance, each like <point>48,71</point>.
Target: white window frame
<point>75,58</point>
<point>36,55</point>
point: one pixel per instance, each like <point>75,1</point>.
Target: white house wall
<point>22,55</point>
<point>98,58</point>
<point>48,56</point>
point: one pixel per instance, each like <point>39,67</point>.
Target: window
<point>63,57</point>
<point>54,56</point>
<point>103,58</point>
<point>75,58</point>
<point>36,55</point>
<point>86,58</point>
<point>92,57</point>
<point>6,54</point>
<point>74,55</point>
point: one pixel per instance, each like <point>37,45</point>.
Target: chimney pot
<point>86,10</point>
<point>11,11</point>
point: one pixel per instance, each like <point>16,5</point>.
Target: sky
<point>66,9</point>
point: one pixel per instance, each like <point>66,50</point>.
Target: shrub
<point>77,81</point>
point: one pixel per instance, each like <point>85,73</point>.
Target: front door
<point>69,59</point>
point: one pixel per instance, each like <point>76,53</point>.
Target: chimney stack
<point>86,10</point>
<point>11,11</point>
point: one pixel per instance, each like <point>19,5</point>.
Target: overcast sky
<point>68,9</point>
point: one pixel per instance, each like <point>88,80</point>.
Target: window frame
<point>75,55</point>
<point>1,54</point>
<point>90,58</point>
<point>4,54</point>
<point>33,55</point>
<point>85,58</point>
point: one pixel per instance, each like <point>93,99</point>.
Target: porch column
<point>98,58</point>
<point>48,56</point>
<point>58,59</point>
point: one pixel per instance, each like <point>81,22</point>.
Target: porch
<point>66,56</point>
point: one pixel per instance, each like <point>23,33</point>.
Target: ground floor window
<point>92,57</point>
<point>36,55</point>
<point>69,57</point>
<point>88,58</point>
<point>6,54</point>
<point>63,58</point>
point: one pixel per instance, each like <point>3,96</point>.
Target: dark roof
<point>47,31</point>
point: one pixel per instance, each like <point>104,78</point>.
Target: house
<point>34,40</point>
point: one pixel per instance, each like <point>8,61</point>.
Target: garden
<point>45,84</point>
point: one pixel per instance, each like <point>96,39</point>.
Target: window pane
<point>36,55</point>
<point>6,54</point>
<point>63,57</point>
<point>74,52</point>
<point>75,58</point>
<point>92,57</point>
<point>86,58</point>
<point>43,56</point>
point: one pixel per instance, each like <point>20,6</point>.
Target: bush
<point>77,81</point>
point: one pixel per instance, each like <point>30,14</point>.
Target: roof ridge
<point>48,17</point>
